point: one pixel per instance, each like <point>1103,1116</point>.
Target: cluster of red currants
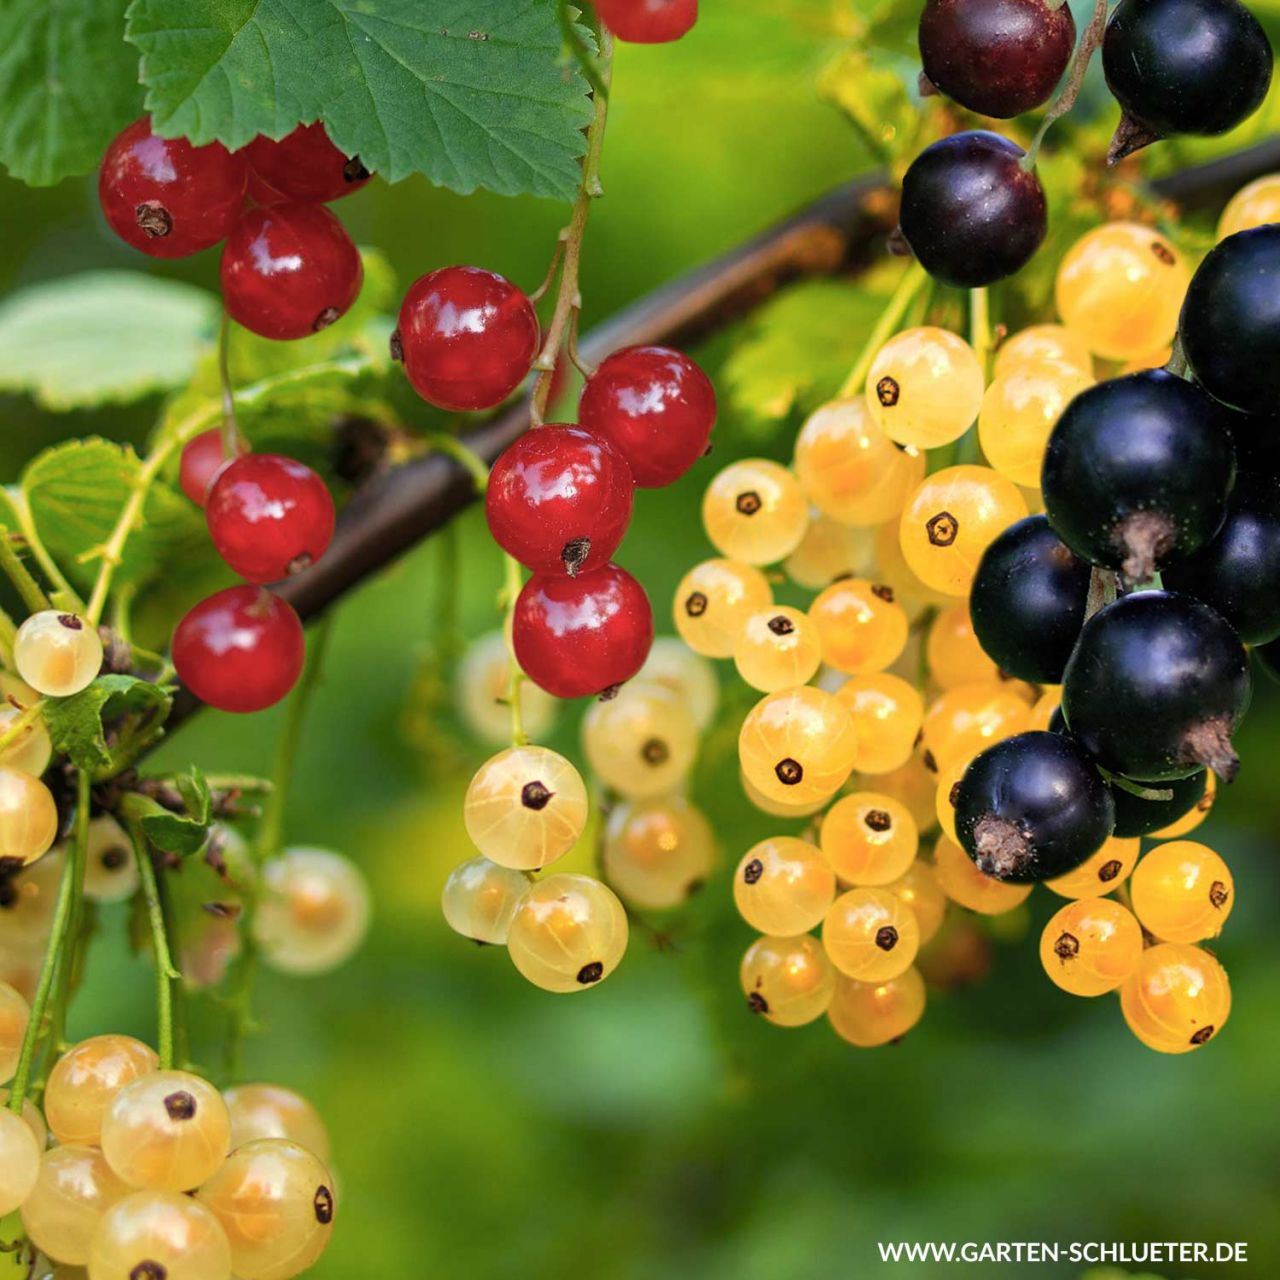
<point>289,269</point>
<point>154,1173</point>
<point>973,211</point>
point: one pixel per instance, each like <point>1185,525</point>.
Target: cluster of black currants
<point>973,210</point>
<point>1157,562</point>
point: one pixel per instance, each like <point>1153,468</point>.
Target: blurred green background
<point>653,1128</point>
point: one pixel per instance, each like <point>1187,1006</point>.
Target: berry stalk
<point>1065,99</point>
<point>70,892</point>
<point>903,296</point>
<point>568,295</point>
<point>18,573</point>
<point>166,973</point>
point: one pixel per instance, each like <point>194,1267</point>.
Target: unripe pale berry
<point>479,899</point>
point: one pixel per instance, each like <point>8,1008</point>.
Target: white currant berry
<point>28,818</point>
<point>657,852</point>
<point>479,899</point>
<point>74,1188</point>
<point>31,750</point>
<point>57,654</point>
<point>525,808</point>
<point>159,1235</point>
<point>314,911</point>
<point>85,1081</point>
<point>673,665</point>
<point>19,1162</point>
<point>15,1014</point>
<point>111,870</point>
<point>642,742</point>
<point>484,677</point>
<point>569,932</point>
<point>274,1111</point>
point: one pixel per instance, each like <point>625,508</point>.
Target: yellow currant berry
<point>273,1111</point>
<point>484,692</point>
<point>274,1199</point>
<point>1194,816</point>
<point>28,818</point>
<point>642,742</point>
<point>887,713</point>
<point>19,1162</point>
<point>657,852</point>
<point>31,750</point>
<point>912,786</point>
<point>947,792</point>
<point>924,387</point>
<point>111,870</point>
<point>673,665</point>
<point>849,469</point>
<point>1176,999</point>
<point>85,1080</point>
<point>870,934</point>
<point>479,899</point>
<point>892,569</point>
<point>27,907</point>
<point>779,808</point>
<point>1019,411</point>
<point>966,886</point>
<point>15,1014</point>
<point>953,652</point>
<point>1120,287</point>
<point>797,746</point>
<point>32,1118</point>
<point>57,654</point>
<point>74,1188</point>
<point>714,601</point>
<point>830,550</point>
<point>1182,892</point>
<point>158,1234</point>
<point>968,719</point>
<point>314,911</point>
<point>525,808</point>
<point>869,1014</point>
<point>1100,874</point>
<point>755,511</point>
<point>787,981</point>
<point>783,886</point>
<point>869,838</point>
<point>861,626</point>
<point>569,933</point>
<point>166,1131</point>
<point>919,890</point>
<point>778,648</point>
<point>1043,342</point>
<point>1091,946</point>
<point>951,519</point>
<point>1254,205</point>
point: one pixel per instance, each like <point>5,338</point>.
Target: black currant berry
<point>1138,816</point>
<point>1230,324</point>
<point>1238,573</point>
<point>996,57</point>
<point>1028,601</point>
<point>1033,807</point>
<point>1183,66</point>
<point>1157,685</point>
<point>971,214</point>
<point>1137,472</point>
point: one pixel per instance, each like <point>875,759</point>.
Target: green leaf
<point>75,724</point>
<point>174,833</point>
<point>195,793</point>
<point>472,93</point>
<point>102,337</point>
<point>799,349</point>
<point>68,85</point>
<point>76,492</point>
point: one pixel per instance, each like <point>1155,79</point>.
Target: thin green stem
<point>515,674</point>
<point>568,294</point>
<point>20,724</point>
<point>70,892</point>
<point>1090,41</point>
<point>8,630</point>
<point>980,327</point>
<point>12,567</point>
<point>38,551</point>
<point>913,280</point>
<point>475,466</point>
<point>166,974</point>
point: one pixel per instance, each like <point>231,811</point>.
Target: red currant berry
<point>559,500</point>
<point>467,337</point>
<point>304,165</point>
<point>289,270</point>
<point>655,406</point>
<point>240,650</point>
<point>269,516</point>
<point>203,458</point>
<point>583,635</point>
<point>648,21</point>
<point>166,197</point>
